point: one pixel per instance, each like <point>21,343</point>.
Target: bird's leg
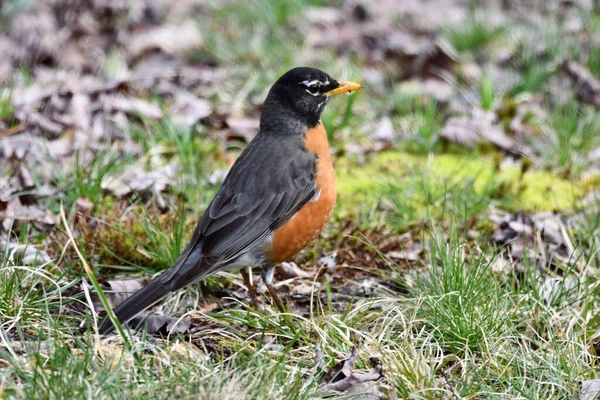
<point>267,276</point>
<point>246,271</point>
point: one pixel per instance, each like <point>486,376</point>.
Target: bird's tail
<point>141,300</point>
<point>182,273</point>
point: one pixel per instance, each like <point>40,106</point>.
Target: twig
<point>456,396</point>
<point>12,130</point>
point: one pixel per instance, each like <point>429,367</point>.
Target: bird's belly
<point>310,220</point>
<point>254,258</point>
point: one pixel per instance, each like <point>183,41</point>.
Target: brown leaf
<point>590,389</point>
<point>342,378</point>
<point>160,324</point>
<point>323,16</point>
<point>6,190</point>
<point>12,130</point>
<point>136,180</point>
<point>16,214</point>
<point>26,183</point>
<point>290,270</point>
<point>132,105</point>
<point>245,128</point>
<point>52,128</point>
<point>117,291</point>
<point>170,38</point>
<point>384,131</point>
<point>461,130</point>
<point>217,177</point>
<point>84,206</point>
<point>25,254</point>
<point>588,87</point>
<point>342,369</point>
<point>408,255</point>
<point>469,131</point>
<point>188,109</point>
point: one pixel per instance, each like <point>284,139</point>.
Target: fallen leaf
<point>245,128</point>
<point>290,270</point>
<point>83,206</point>
<point>461,130</point>
<point>469,131</point>
<point>342,378</point>
<point>217,177</point>
<point>384,131</point>
<point>25,254</point>
<point>590,390</point>
<point>133,106</point>
<point>188,109</point>
<point>27,185</point>
<point>117,291</point>
<point>587,86</point>
<point>410,255</point>
<point>16,214</point>
<point>51,128</point>
<point>6,190</point>
<point>136,180</point>
<point>323,15</point>
<point>160,324</point>
<point>169,38</point>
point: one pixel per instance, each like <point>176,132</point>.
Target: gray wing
<point>260,193</point>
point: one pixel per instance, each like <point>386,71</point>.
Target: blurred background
<point>477,130</point>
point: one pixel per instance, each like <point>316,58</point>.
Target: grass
<point>538,57</point>
<point>88,175</point>
<point>422,195</point>
<point>249,33</point>
<point>419,119</point>
<point>461,303</point>
<point>6,107</point>
<point>490,334</point>
<point>486,92</point>
<point>473,34</point>
<point>593,61</point>
<point>166,142</point>
<point>572,133</point>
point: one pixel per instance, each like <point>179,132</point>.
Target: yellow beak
<point>343,87</point>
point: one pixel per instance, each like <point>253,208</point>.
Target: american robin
<point>277,197</point>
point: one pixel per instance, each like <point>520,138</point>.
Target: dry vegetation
<point>462,260</point>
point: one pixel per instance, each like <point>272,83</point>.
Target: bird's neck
<point>278,114</point>
<point>286,122</point>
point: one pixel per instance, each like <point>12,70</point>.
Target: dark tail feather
<point>141,300</point>
<point>182,273</point>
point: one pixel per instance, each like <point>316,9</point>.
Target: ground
<point>461,260</point>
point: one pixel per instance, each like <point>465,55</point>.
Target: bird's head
<point>304,92</point>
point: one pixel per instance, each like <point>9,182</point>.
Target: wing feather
<point>249,207</point>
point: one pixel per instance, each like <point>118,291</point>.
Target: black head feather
<point>299,94</point>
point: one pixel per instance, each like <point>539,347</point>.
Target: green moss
<point>419,182</point>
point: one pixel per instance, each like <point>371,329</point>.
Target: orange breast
<point>310,220</point>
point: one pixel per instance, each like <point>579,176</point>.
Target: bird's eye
<point>313,88</point>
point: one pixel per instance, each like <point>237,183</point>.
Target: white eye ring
<point>314,90</point>
<point>313,87</point>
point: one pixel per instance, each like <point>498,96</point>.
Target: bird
<point>276,198</point>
